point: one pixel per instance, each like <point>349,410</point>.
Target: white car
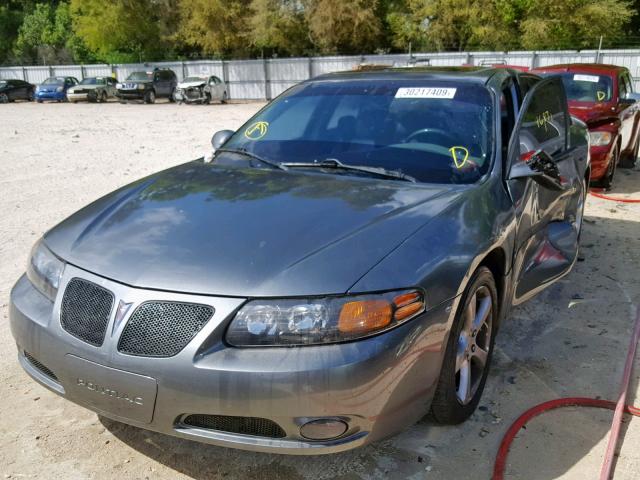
<point>201,90</point>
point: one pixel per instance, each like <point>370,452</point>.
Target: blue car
<point>55,88</point>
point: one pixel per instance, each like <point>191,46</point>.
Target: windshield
<point>582,87</point>
<point>93,81</point>
<point>2,83</point>
<point>54,81</point>
<point>195,79</point>
<point>143,76</point>
<point>434,131</point>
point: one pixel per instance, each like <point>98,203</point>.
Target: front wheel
<point>469,351</point>
<point>629,160</point>
<point>150,97</point>
<point>607,180</point>
<point>4,98</point>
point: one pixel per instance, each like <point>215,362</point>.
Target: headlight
<point>37,88</point>
<point>599,139</point>
<point>59,89</point>
<point>44,270</point>
<point>140,86</point>
<point>311,321</point>
<point>119,85</point>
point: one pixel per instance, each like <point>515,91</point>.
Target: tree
<point>217,27</point>
<point>344,26</point>
<point>450,25</point>
<point>278,26</point>
<point>123,30</point>
<point>46,36</point>
<point>550,24</point>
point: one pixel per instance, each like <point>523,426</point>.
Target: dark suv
<point>148,86</point>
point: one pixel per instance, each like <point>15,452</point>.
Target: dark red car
<point>603,96</point>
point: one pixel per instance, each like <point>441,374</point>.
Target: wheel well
<point>496,261</point>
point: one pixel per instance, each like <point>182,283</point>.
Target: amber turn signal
<point>365,316</point>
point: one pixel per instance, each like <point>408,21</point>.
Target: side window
<point>622,87</point>
<point>216,80</point>
<point>629,82</point>
<point>156,77</point>
<point>526,83</point>
<point>507,118</point>
<point>544,122</point>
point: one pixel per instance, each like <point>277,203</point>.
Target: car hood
<point>191,84</point>
<point>49,88</point>
<point>208,229</point>
<point>85,87</point>
<point>592,112</point>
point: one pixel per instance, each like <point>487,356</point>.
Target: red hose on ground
<point>596,193</point>
<point>619,407</point>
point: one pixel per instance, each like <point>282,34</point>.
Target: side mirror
<point>630,99</point>
<point>539,166</point>
<point>220,138</point>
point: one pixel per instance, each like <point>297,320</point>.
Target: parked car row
<point>146,86</point>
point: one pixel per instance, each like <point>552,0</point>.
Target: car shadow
<point>570,340</point>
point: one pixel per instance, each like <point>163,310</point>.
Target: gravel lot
<point>568,341</point>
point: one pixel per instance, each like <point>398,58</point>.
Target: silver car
<point>339,269</point>
<point>93,89</point>
<point>201,90</point>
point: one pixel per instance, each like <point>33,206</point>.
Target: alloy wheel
<point>474,343</point>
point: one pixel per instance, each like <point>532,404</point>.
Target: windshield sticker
<point>543,119</point>
<point>600,95</point>
<point>586,78</point>
<point>426,92</point>
<point>460,156</point>
<point>256,130</point>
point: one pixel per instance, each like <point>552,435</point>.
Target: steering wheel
<point>449,140</point>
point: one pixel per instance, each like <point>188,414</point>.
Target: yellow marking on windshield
<point>256,130</point>
<point>543,119</point>
<point>460,156</point>
<point>600,95</point>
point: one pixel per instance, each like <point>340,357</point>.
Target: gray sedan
<point>338,269</point>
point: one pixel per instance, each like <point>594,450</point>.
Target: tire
<point>150,97</point>
<point>171,99</point>
<point>473,331</point>
<point>225,98</point>
<point>629,160</point>
<point>32,96</point>
<point>207,98</point>
<point>39,101</point>
<point>103,97</point>
<point>607,180</point>
<point>4,98</point>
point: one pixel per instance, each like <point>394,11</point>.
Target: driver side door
<point>546,188</point>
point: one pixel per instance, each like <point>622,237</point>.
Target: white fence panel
<point>97,71</point>
<point>36,75</point>
<point>259,79</point>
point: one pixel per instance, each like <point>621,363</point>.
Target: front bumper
<point>78,97</point>
<point>189,95</point>
<point>600,158</point>
<point>50,95</point>
<point>131,94</point>
<point>378,386</point>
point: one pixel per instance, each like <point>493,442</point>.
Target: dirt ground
<point>568,341</point>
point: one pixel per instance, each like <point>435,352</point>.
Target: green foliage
<point>573,23</point>
<point>344,26</point>
<point>115,31</point>
<point>278,26</point>
<point>122,30</point>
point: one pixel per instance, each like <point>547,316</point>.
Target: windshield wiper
<point>337,164</point>
<point>239,151</point>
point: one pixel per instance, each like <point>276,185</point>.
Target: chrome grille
<point>85,311</point>
<point>40,366</point>
<point>162,329</point>
<point>260,427</point>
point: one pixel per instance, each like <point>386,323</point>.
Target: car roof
<point>481,75</point>
<point>582,67</point>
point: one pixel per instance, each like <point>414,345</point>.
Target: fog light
<point>324,429</point>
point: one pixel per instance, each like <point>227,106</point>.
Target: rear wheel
<point>103,97</point>
<point>207,98</point>
<point>469,350</point>
<point>225,98</point>
<point>4,98</point>
<point>171,99</point>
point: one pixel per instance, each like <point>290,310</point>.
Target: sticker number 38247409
<point>425,92</point>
